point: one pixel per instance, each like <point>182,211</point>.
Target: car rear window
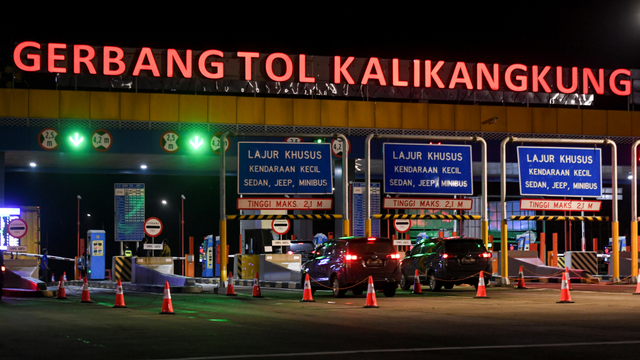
<point>370,247</point>
<point>465,246</point>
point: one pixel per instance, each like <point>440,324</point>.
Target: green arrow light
<point>77,140</point>
<point>197,143</point>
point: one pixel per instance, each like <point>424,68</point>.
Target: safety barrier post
<point>634,212</point>
<point>555,250</point>
<point>543,247</point>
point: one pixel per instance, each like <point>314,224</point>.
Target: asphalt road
<point>523,324</point>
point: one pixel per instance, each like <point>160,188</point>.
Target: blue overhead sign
<point>284,168</point>
<point>553,171</point>
<point>427,169</point>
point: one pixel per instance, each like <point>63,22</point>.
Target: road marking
<point>373,351</point>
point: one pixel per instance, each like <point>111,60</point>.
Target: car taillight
<point>289,252</point>
<point>371,239</point>
<point>449,256</point>
<point>485,255</point>
<point>445,256</point>
<point>395,256</point>
<point>2,268</point>
<point>350,257</point>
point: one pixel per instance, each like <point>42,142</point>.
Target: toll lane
<point>450,324</point>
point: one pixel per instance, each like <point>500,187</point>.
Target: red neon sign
<point>62,58</point>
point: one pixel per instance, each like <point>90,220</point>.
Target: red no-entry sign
<point>17,228</point>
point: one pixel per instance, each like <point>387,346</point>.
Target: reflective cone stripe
<point>307,295</point>
<point>230,289</point>
<point>64,275</point>
<point>256,287</point>
<point>520,284</point>
<point>119,296</point>
<point>417,289</point>
<point>482,291</point>
<point>371,295</point>
<point>167,306</point>
<point>62,293</point>
<point>565,295</point>
<point>53,278</point>
<point>637,284</point>
<point>566,270</point>
<point>86,298</point>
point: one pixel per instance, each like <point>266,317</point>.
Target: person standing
<point>141,252</point>
<point>44,266</point>
<point>166,251</point>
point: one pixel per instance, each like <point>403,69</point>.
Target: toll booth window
<point>513,209</point>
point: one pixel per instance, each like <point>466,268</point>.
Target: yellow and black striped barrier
<point>583,260</point>
<point>438,217</point>
<point>123,268</point>
<point>559,218</point>
<point>290,217</point>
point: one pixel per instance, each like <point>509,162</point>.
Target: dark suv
<point>342,263</point>
<point>446,262</point>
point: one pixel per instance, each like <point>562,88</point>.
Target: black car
<point>446,262</point>
<point>346,264</point>
<point>302,247</point>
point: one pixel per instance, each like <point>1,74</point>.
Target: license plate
<point>373,263</point>
<point>468,261</point>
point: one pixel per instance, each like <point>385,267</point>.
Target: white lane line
<point>373,351</point>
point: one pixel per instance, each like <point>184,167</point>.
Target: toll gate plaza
<point>201,183</point>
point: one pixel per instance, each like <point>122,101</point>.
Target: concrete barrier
<point>157,271</point>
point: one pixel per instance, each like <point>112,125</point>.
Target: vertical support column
<point>224,256</point>
<point>614,210</point>
<point>504,236</point>
<point>367,188</point>
<point>555,250</point>
<point>485,233</point>
<point>543,248</point>
<point>634,212</point>
<point>634,251</point>
<point>595,245</point>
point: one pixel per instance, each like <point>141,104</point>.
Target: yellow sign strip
<point>560,218</point>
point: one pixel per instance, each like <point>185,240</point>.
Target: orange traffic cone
<point>482,291</point>
<point>86,298</point>
<point>167,307</point>
<point>119,296</point>
<point>256,287</point>
<point>417,289</point>
<point>64,275</point>
<point>62,293</point>
<point>371,295</point>
<point>307,295</point>
<point>566,270</point>
<point>638,284</point>
<point>520,284</point>
<point>230,289</point>
<point>565,295</point>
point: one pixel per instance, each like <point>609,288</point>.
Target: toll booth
<point>95,264</point>
<point>210,267</point>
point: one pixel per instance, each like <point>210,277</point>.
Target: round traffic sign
<point>153,227</point>
<point>101,140</point>
<point>337,147</point>
<point>170,141</point>
<point>280,226</point>
<point>293,139</point>
<point>17,228</point>
<point>48,139</point>
<point>215,143</point>
<point>402,225</point>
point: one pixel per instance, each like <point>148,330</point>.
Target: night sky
<point>566,33</point>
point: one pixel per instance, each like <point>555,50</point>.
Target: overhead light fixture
<point>32,164</point>
<point>630,176</point>
<point>143,167</point>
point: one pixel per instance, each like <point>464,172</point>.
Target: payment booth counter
<point>95,246</point>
